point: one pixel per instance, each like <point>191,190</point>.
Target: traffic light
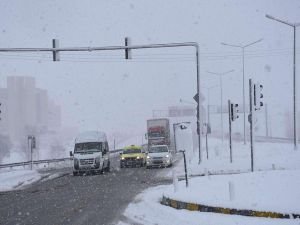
<point>234,111</point>
<point>127,51</point>
<point>258,96</point>
<point>33,142</point>
<point>56,55</point>
<point>196,98</point>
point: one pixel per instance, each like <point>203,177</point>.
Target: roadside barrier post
<point>185,170</point>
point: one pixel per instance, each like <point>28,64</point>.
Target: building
<point>26,109</point>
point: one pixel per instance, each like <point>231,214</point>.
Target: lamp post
<point>208,90</point>
<point>221,85</point>
<point>293,25</point>
<point>243,54</point>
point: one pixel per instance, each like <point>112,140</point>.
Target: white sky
<point>103,91</point>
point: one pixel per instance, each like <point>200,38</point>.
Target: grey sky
<point>102,90</point>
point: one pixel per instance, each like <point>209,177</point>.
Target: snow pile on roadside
<point>267,156</point>
<point>147,210</point>
<point>274,186</point>
<point>15,179</point>
<point>275,191</point>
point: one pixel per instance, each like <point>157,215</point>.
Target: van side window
<point>105,148</point>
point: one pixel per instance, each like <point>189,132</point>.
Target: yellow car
<point>132,156</point>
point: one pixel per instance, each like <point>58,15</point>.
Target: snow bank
<point>17,178</point>
<point>147,210</point>
<point>275,191</point>
<point>267,156</point>
<point>274,186</point>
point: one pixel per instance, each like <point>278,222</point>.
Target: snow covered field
<point>274,186</point>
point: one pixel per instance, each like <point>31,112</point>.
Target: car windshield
<point>88,147</point>
<point>130,151</point>
<point>158,149</point>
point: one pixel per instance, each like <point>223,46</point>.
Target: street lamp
<point>221,85</point>
<point>208,89</point>
<point>243,51</point>
<point>294,25</point>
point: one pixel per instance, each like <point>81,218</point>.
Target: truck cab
<point>91,153</point>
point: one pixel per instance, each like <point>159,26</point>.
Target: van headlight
<point>97,160</point>
<point>76,163</point>
<point>167,156</point>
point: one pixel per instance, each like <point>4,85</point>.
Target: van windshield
<point>158,149</point>
<point>88,147</point>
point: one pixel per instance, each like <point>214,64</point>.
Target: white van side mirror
<point>71,153</point>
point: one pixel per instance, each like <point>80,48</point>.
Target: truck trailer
<point>158,131</point>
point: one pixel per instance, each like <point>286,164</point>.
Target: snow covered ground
<point>274,186</point>
<point>16,179</point>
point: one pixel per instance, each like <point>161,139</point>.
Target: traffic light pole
<point>230,143</point>
<point>56,50</point>
<point>251,116</point>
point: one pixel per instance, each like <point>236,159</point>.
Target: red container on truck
<point>158,131</point>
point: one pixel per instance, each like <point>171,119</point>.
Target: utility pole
<point>229,115</point>
<point>243,54</point>
<point>294,26</point>
<point>251,118</point>
<point>221,85</point>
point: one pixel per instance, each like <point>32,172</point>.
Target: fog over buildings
<point>26,110</point>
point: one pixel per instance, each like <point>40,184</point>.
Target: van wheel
<point>75,173</point>
<point>107,169</point>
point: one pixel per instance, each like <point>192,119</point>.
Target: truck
<point>158,131</point>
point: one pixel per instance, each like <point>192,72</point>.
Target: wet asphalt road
<point>92,199</point>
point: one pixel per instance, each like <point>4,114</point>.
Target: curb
<point>241,212</point>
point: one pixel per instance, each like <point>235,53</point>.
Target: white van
<point>91,153</point>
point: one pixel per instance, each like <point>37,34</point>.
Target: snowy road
<point>98,199</point>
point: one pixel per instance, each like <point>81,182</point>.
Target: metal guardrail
<point>10,165</point>
<point>273,139</point>
<point>35,162</point>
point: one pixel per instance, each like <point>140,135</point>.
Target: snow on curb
<point>241,212</point>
